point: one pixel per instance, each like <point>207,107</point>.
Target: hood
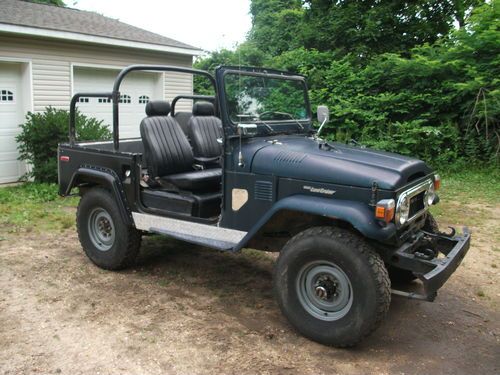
<point>304,159</point>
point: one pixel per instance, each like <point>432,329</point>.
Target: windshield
<point>265,99</point>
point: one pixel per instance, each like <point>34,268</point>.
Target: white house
<point>47,53</point>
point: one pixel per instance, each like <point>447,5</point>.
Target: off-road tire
<point>124,247</point>
<point>402,277</point>
<point>365,270</point>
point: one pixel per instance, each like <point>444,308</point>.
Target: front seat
<point>169,156</point>
<point>204,131</point>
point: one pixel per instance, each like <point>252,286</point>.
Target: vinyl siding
<point>52,63</point>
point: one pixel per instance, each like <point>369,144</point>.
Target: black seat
<point>204,130</point>
<point>207,179</point>
<point>169,156</point>
<point>183,120</point>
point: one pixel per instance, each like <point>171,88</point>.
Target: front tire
<point>108,241</point>
<point>332,286</point>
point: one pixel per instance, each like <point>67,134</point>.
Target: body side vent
<point>264,191</point>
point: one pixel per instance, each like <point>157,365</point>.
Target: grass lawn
<point>34,207</point>
<point>469,198</point>
<point>466,198</point>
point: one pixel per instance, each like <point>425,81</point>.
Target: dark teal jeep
<point>246,168</point>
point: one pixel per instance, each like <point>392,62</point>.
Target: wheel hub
<point>101,229</point>
<point>324,290</point>
<point>104,227</point>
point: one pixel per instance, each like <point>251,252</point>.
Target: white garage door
<point>11,115</point>
<point>137,89</point>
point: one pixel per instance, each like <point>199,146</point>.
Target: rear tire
<point>106,239</point>
<point>332,286</point>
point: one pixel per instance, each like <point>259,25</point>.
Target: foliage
<point>368,28</point>
<point>277,25</point>
<point>441,104</point>
<point>361,28</point>
<point>59,3</point>
<point>42,132</point>
<point>34,206</point>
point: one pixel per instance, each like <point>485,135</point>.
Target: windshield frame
<point>265,73</point>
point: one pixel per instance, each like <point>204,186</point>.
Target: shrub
<point>42,132</point>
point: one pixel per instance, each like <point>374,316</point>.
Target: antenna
<point>241,162</point>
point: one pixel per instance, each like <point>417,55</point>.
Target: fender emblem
<point>318,190</point>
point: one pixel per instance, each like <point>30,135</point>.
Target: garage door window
<point>6,96</point>
<point>126,99</point>
<point>143,99</point>
<point>103,100</point>
<point>83,99</point>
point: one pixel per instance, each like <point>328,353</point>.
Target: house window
<point>143,99</point>
<point>125,99</point>
<point>103,100</point>
<point>83,99</point>
<point>6,96</point>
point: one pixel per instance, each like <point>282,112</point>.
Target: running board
<point>200,234</point>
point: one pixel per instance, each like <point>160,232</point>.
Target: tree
<point>276,25</point>
<point>365,28</point>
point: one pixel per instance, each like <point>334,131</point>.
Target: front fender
<point>358,214</point>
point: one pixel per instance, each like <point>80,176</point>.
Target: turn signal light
<point>437,182</point>
<point>385,210</point>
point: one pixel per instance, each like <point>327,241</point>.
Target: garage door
<point>136,90</point>
<point>11,115</point>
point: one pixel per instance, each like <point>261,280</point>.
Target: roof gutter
<point>95,39</point>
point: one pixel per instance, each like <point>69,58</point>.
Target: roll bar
<point>115,96</point>
<point>194,97</point>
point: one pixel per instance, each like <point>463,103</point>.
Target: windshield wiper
<point>301,127</point>
<point>269,128</point>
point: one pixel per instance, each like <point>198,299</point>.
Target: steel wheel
<point>101,229</point>
<point>324,290</point>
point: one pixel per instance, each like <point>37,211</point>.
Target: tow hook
<point>426,254</point>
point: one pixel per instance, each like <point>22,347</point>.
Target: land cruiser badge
<point>319,190</point>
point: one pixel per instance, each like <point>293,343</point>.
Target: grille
<point>417,204</point>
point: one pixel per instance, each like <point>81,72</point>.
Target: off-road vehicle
<point>246,168</point>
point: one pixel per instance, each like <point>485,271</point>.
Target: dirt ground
<point>188,310</point>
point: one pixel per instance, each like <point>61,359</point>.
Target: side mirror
<point>323,114</point>
<point>247,129</point>
<point>323,117</point>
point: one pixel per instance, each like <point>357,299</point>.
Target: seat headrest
<point>203,109</point>
<point>158,108</point>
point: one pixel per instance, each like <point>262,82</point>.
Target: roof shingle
<point>25,13</point>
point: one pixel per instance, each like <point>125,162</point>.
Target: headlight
<point>403,210</point>
<point>430,195</point>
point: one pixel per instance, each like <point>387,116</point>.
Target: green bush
<point>42,132</point>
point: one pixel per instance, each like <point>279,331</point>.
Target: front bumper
<point>432,258</point>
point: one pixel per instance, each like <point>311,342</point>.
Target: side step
<point>200,234</point>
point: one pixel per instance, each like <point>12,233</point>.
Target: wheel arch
<point>320,211</point>
<point>89,177</point>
